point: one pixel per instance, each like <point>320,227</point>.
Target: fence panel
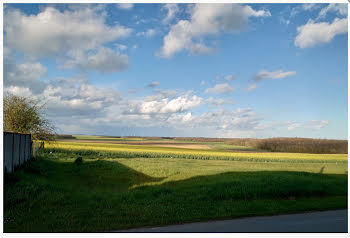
<point>21,149</point>
<point>17,150</point>
<point>28,143</point>
<point>8,153</point>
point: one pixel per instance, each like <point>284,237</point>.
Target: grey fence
<point>17,150</point>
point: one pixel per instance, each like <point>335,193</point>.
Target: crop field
<point>126,185</point>
<point>148,151</point>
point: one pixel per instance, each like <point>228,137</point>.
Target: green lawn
<point>53,193</point>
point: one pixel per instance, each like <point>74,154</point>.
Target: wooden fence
<point>17,150</point>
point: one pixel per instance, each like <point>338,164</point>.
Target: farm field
<point>153,151</point>
<point>120,186</point>
<point>157,142</point>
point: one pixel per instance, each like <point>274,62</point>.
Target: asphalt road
<point>326,221</point>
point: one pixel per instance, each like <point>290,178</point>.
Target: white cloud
<point>75,36</point>
<point>53,32</point>
<point>125,6</point>
<point>180,119</point>
<point>19,91</point>
<point>317,124</point>
<point>164,106</point>
<point>207,19</point>
<point>252,87</point>
<point>221,120</point>
<point>153,84</point>
<point>103,59</point>
<point>293,126</point>
<point>304,7</point>
<point>161,94</point>
<point>215,102</point>
<point>220,89</point>
<point>147,33</point>
<point>24,75</point>
<point>284,21</point>
<point>200,49</point>
<point>309,6</point>
<point>314,33</point>
<point>202,83</point>
<point>230,77</point>
<point>121,47</point>
<point>278,74</point>
<point>172,9</point>
<point>339,8</point>
<point>71,97</point>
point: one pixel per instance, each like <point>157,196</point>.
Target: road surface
<point>326,221</point>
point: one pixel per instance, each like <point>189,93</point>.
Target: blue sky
<point>235,70</point>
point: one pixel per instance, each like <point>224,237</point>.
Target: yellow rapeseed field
<point>153,151</point>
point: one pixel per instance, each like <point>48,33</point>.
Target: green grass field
<point>125,186</point>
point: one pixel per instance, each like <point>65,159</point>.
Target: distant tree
<point>23,115</point>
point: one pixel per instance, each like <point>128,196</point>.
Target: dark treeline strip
<point>295,145</point>
<point>64,137</point>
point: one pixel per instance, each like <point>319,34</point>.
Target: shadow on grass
<point>49,195</point>
<point>92,175</point>
<point>254,185</point>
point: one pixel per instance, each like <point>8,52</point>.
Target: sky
<point>198,70</point>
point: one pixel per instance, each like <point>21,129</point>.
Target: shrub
<point>78,160</point>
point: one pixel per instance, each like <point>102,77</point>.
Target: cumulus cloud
<point>315,33</point>
<point>147,33</point>
<point>180,119</point>
<point>207,19</point>
<point>121,47</point>
<point>125,6</point>
<point>230,77</point>
<point>71,97</point>
<point>153,84</point>
<point>220,89</point>
<point>293,126</point>
<point>172,9</point>
<point>75,36</point>
<point>278,74</point>
<point>19,91</point>
<point>24,74</point>
<point>202,83</point>
<point>103,59</point>
<point>252,87</point>
<point>222,120</point>
<point>164,106</point>
<point>317,124</point>
<point>215,102</point>
<point>338,8</point>
<point>53,32</point>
